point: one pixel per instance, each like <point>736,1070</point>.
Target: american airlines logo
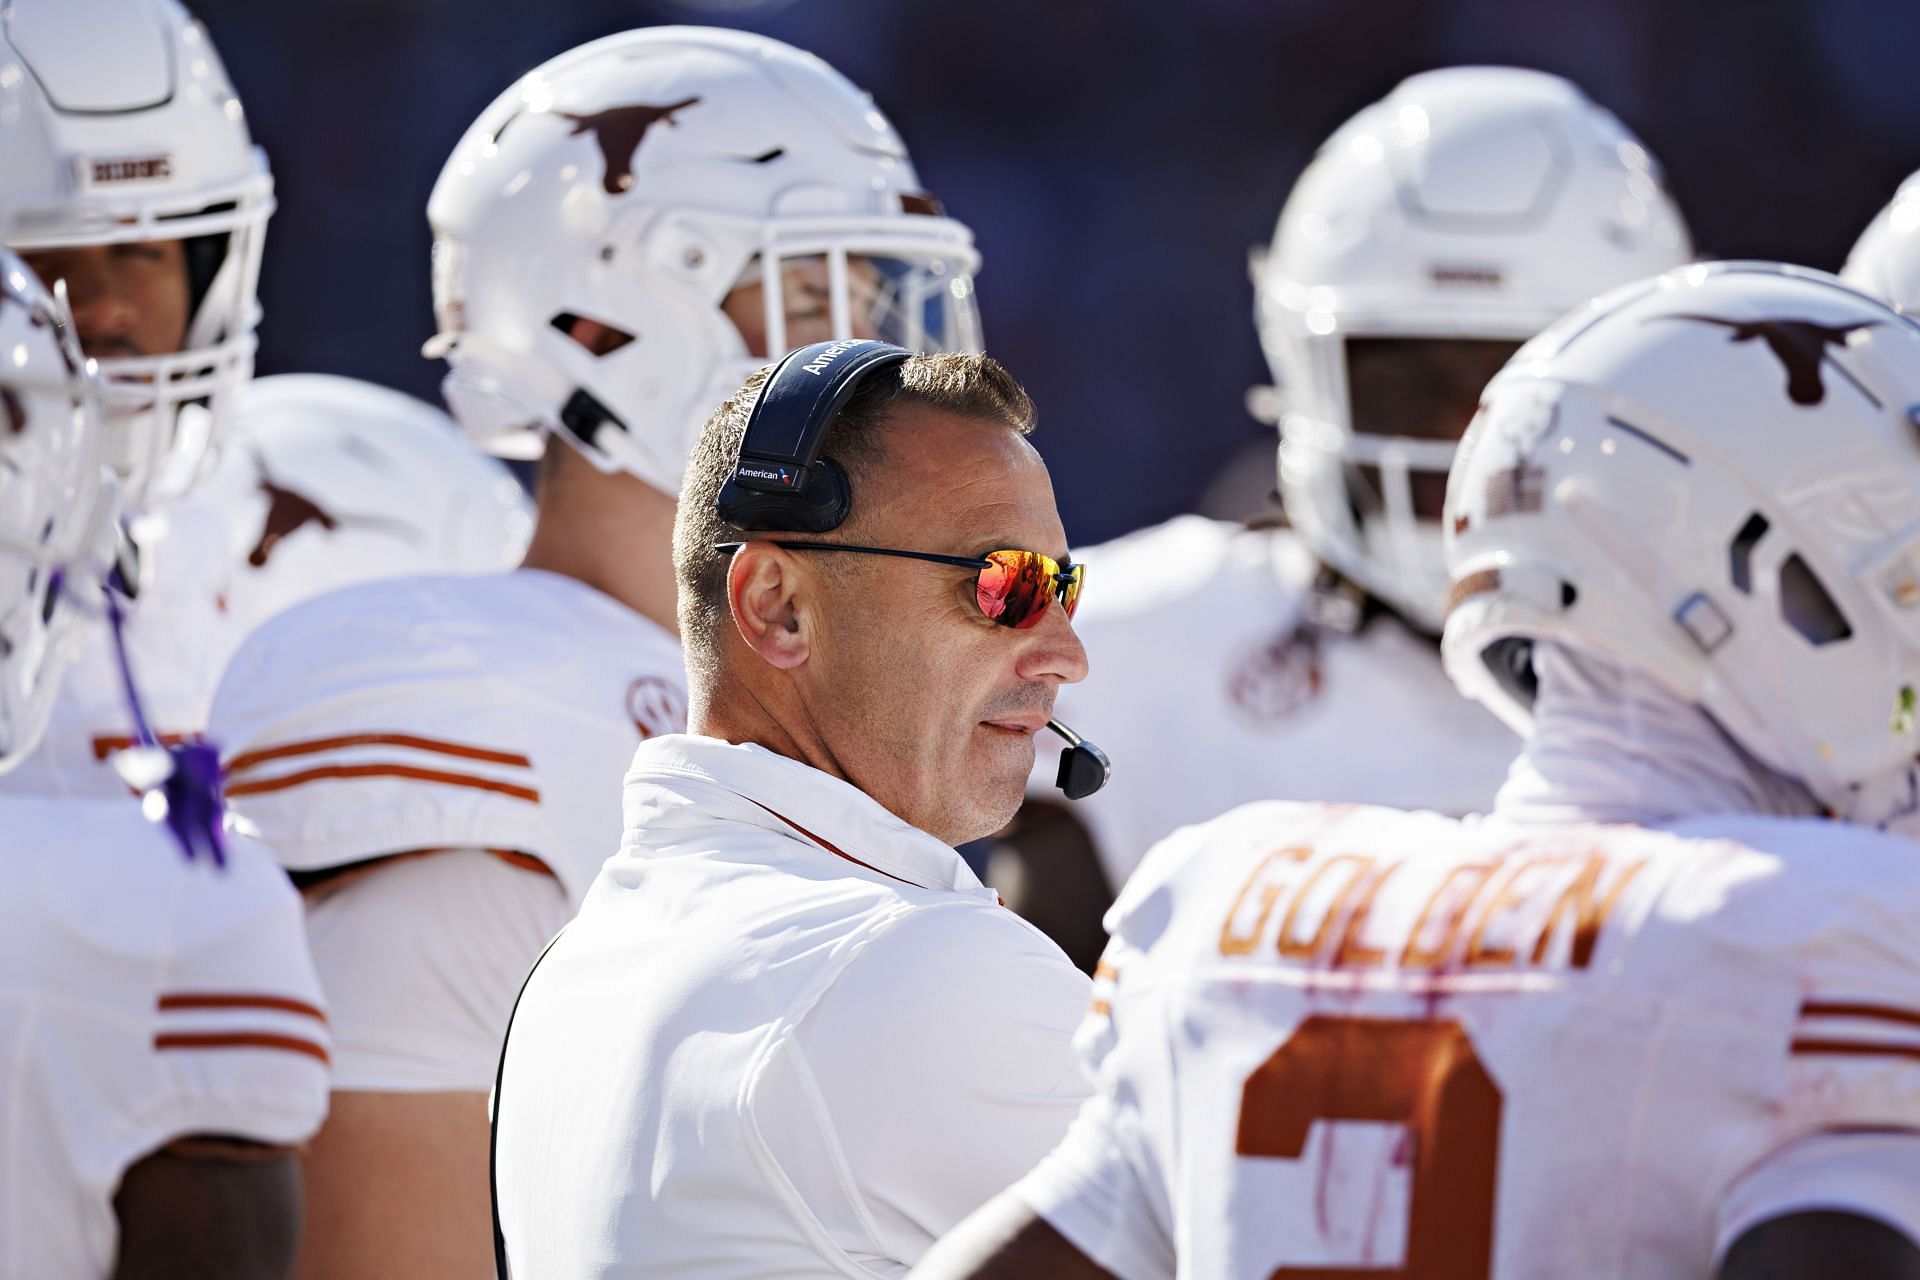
<point>824,361</point>
<point>1471,276</point>
<point>103,172</point>
<point>782,476</point>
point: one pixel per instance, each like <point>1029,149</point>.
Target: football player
<point>128,178</point>
<point>1885,261</point>
<point>128,175</point>
<point>1659,1014</point>
<point>619,239</point>
<point>1431,234</point>
<point>160,1019</point>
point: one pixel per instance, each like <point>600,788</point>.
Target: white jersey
<point>179,634</point>
<point>142,999</point>
<point>787,1035</point>
<point>1351,1038</point>
<point>495,711</point>
<point>1210,687</point>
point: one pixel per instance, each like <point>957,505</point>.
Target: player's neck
<point>1611,745</point>
<point>612,532</point>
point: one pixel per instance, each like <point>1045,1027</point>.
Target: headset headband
<point>778,482</point>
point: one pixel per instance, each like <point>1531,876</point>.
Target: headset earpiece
<point>778,482</point>
<point>820,501</point>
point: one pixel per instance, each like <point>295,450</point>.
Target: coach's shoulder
<point>971,959</point>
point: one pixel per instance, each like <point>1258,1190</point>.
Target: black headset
<point>781,484</point>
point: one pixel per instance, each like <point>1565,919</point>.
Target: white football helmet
<point>1431,234</point>
<point>1713,478</point>
<point>118,125</point>
<point>635,182</point>
<point>56,504</point>
<point>329,481</point>
<point>1885,261</point>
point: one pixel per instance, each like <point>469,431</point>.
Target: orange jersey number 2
<point>1424,1075</point>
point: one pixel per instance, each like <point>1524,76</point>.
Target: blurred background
<point>1115,159</point>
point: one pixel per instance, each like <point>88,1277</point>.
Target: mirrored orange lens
<point>1016,587</point>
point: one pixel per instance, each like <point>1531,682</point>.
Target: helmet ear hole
<point>1806,606</point>
<point>1510,661</point>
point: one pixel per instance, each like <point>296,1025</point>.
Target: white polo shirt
<point>787,1035</point>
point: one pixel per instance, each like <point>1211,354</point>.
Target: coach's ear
<point>771,591</point>
<point>1819,1245</point>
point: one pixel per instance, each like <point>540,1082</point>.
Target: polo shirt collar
<point>782,794</point>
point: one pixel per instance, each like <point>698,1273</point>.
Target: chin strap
<point>180,786</point>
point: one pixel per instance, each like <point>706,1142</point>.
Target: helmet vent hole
<point>1740,560</point>
<point>597,336</point>
<point>1806,606</point>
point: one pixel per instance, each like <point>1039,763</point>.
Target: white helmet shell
<point>118,124</point>
<point>56,504</point>
<point>331,481</point>
<point>1470,203</point>
<point>634,182</point>
<point>1713,478</point>
<point>1885,261</point>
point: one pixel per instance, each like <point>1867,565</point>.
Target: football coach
<point>790,1033</point>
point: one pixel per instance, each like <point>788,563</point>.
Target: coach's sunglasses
<point>1011,587</point>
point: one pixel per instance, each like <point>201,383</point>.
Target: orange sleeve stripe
<point>524,861</point>
<point>239,1000</point>
<point>105,745</point>
<point>1101,1009</point>
<point>1104,970</point>
<point>1870,1012</point>
<point>261,786</point>
<point>512,857</point>
<point>239,1040</point>
<point>1855,1048</point>
<point>313,746</point>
